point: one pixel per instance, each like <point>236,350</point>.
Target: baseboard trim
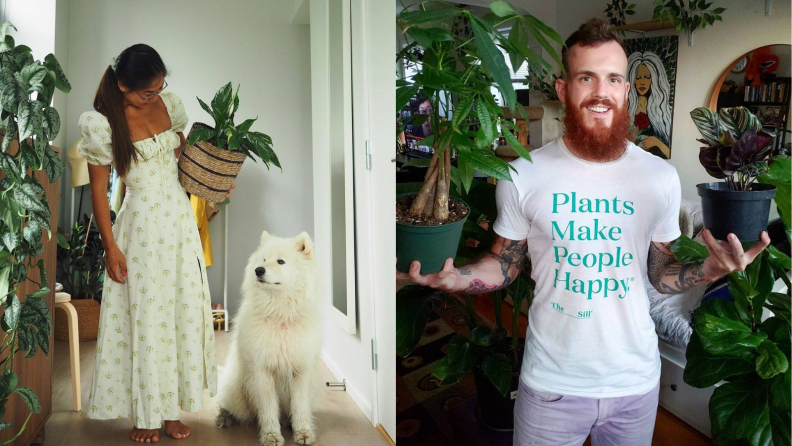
<point>351,389</point>
<point>385,435</point>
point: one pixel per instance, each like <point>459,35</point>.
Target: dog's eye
<point>281,262</point>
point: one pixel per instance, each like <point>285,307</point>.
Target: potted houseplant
<point>741,345</point>
<point>29,124</point>
<point>214,155</point>
<point>81,271</point>
<point>737,151</point>
<point>492,354</point>
<point>456,71</point>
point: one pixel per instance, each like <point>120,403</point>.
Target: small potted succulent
<point>737,151</point>
<point>214,155</point>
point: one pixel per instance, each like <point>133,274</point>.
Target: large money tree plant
<point>29,123</point>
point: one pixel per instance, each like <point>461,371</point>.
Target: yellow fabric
<point>199,209</point>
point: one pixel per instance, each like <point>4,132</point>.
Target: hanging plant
<point>617,11</point>
<point>29,124</point>
<point>689,18</point>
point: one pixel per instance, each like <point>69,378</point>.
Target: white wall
<point>206,44</point>
<point>744,28</point>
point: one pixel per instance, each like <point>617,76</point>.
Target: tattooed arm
<point>669,276</point>
<point>493,271</point>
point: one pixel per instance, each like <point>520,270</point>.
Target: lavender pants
<point>552,419</point>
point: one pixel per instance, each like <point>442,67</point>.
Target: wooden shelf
<point>653,25</point>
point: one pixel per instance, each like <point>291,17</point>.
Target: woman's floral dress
<point>155,351</point>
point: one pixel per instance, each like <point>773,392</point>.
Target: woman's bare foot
<point>176,429</point>
<point>144,435</point>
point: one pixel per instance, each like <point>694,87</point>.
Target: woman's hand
<point>116,264</point>
<point>229,192</point>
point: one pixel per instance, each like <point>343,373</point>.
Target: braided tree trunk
<point>432,199</point>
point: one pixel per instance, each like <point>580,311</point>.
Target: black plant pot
<point>743,213</point>
<point>494,410</point>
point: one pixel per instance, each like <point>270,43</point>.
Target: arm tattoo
<point>464,272</point>
<point>478,286</point>
<point>669,276</point>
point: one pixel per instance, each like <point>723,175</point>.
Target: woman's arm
<point>182,143</point>
<point>116,264</point>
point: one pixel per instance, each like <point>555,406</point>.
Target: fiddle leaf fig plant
<point>740,343</point>
<point>456,70</point>
<point>27,119</point>
<point>228,136</point>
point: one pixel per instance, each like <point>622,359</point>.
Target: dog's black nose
<point>260,271</point>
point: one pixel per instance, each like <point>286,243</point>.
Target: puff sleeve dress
<point>155,350</point>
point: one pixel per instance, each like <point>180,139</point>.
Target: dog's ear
<point>305,245</point>
<point>264,236</point>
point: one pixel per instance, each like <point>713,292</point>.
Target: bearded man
<point>597,215</point>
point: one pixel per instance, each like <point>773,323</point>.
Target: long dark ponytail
<point>135,67</point>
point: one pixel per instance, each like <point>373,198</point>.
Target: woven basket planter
<point>87,320</point>
<point>208,172</point>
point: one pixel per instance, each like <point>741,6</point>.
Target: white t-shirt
<point>589,227</point>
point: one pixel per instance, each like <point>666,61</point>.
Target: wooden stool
<point>63,300</point>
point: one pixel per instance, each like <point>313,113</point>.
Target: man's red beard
<point>600,143</point>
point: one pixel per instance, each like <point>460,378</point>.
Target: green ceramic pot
<point>430,245</point>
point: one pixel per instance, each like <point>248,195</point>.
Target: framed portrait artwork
<point>651,71</point>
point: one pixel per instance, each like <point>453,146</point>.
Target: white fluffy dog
<point>276,340</point>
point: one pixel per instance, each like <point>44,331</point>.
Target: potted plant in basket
<point>214,155</point>
<point>492,354</point>
<point>457,69</point>
<point>741,345</point>
<point>81,271</point>
<point>29,123</point>
<point>738,151</point>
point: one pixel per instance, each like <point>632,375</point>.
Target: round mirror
<point>759,80</point>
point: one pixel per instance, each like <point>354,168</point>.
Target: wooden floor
<point>339,421</point>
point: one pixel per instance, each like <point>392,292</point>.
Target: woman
<point>155,351</point>
<point>648,101</point>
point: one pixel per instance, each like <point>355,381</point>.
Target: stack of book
<point>777,91</point>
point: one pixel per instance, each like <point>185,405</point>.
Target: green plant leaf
<point>61,82</point>
<point>518,36</point>
<point>32,232</point>
<point>466,170</point>
<point>485,119</point>
<point>33,74</point>
<point>708,124</point>
<point>492,60</point>
<point>771,361</point>
<point>722,331</point>
<point>780,306</point>
<point>481,335</point>
<point>461,111</point>
<point>737,120</point>
<point>11,314</point>
<point>53,166</point>
<point>777,258</point>
<point>703,370</point>
<point>261,143</point>
<point>739,410</point>
<point>486,162</point>
<point>25,195</point>
<point>779,176</point>
<point>30,119</point>
<point>11,96</point>
<point>515,144</point>
<point>741,289</point>
<point>461,355</point>
<point>200,134</point>
<point>498,369</point>
<point>409,18</point>
<point>780,403</point>
<point>686,251</point>
<point>502,9</point>
<point>29,397</point>
<point>11,380</point>
<point>7,45</point>
<point>11,240</point>
<point>221,104</point>
<point>413,308</point>
<point>52,120</point>
<point>404,94</point>
<point>36,313</point>
<point>427,36</point>
<point>4,29</point>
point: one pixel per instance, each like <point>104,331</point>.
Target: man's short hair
<point>592,33</point>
